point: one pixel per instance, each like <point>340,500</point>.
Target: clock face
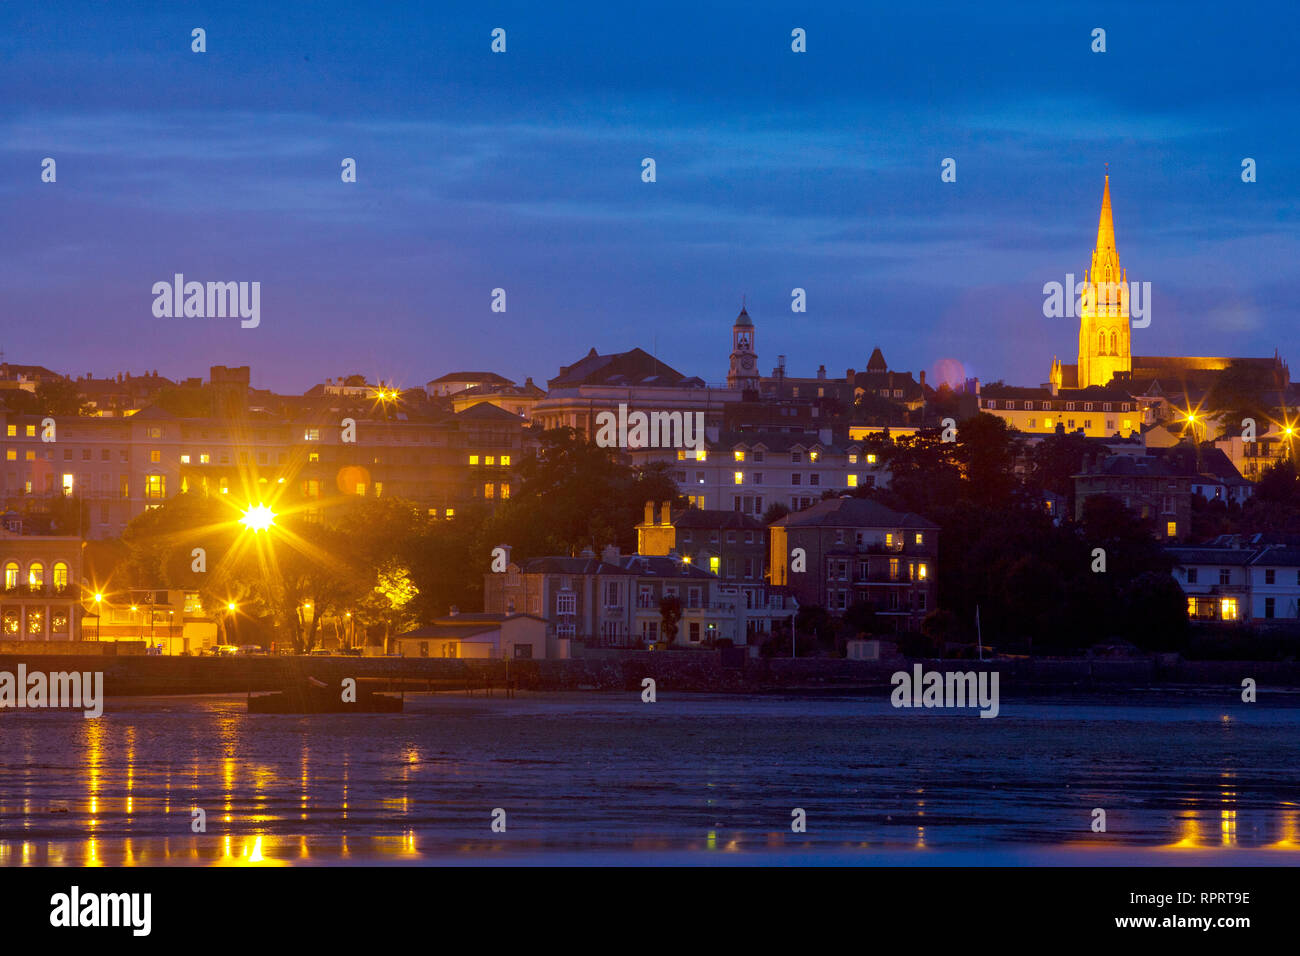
<point>747,363</point>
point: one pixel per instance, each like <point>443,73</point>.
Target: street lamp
<point>258,517</point>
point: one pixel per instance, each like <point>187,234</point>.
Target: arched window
<point>1101,342</point>
<point>11,575</point>
<point>36,574</point>
<point>1114,349</point>
<point>60,575</point>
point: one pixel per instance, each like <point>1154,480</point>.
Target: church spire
<point>1105,257</point>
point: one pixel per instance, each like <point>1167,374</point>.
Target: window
<point>36,575</point>
<point>740,456</point>
<point>921,572</point>
<point>889,539</point>
<point>566,602</point>
<point>31,431</point>
<point>505,462</point>
<point>1224,575</point>
<point>67,483</point>
<point>155,487</point>
<point>852,480</point>
<point>1191,575</point>
<point>185,459</point>
<point>740,477</point>
<point>505,490</point>
<point>1171,529</point>
<point>871,459</point>
<point>796,457</point>
<point>1228,609</point>
<point>490,460</point>
<point>920,538</point>
<point>815,478</point>
<point>489,490</point>
<point>11,571</point>
<point>796,478</point>
<point>992,403</point>
<point>1269,575</point>
<point>1268,607</point>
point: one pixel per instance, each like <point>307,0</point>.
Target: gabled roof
<point>487,412</point>
<point>1230,557</point>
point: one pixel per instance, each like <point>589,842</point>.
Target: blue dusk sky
<point>522,170</point>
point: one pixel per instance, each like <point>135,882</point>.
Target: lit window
<point>60,575</point>
<point>473,459</point>
<point>853,458</point>
<point>361,488</point>
<point>31,431</point>
<point>740,456</point>
<point>740,477</point>
<point>11,454</point>
<point>311,434</point>
<point>871,459</point>
<point>889,539</point>
<point>67,484</point>
<point>36,575</point>
<point>489,490</point>
<point>1128,424</point>
<point>1047,423</point>
<point>814,455</point>
<point>155,486</point>
<point>490,460</point>
<point>505,462</point>
<point>155,456</point>
<point>451,512</point>
<point>714,563</point>
<point>185,459</point>
<point>853,481</point>
<point>1171,529</point>
<point>313,457</point>
<point>30,456</point>
<point>1228,609</point>
<point>921,572</point>
<point>920,538</point>
<point>205,458</point>
<point>11,572</point>
<point>701,454</point>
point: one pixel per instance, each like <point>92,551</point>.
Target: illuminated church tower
<point>743,373</point>
<point>1104,348</point>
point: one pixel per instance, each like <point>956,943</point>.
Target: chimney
<point>850,376</point>
<point>610,554</point>
<point>821,371</point>
<point>923,378</point>
<point>649,512</point>
<point>665,511</point>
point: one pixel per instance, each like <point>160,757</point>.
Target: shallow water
<point>1183,777</point>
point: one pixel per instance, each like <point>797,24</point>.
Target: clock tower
<point>743,373</point>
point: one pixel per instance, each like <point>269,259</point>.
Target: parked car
<point>225,650</point>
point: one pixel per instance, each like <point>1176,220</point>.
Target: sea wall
<point>672,671</point>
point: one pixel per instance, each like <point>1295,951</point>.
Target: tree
<point>775,512</point>
<point>860,618</point>
<point>670,613</point>
<point>59,398</point>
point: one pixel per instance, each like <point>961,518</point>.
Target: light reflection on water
<point>687,778</point>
